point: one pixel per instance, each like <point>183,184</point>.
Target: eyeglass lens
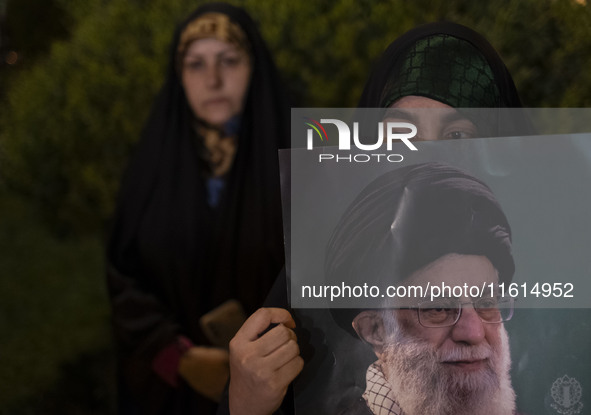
<point>446,312</point>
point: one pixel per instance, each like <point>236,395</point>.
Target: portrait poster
<point>540,177</point>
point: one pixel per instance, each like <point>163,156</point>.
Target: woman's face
<point>434,119</point>
<point>215,77</point>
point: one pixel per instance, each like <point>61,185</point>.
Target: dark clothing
<point>171,256</point>
<point>359,407</point>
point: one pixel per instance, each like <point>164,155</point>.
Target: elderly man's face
<point>470,330</point>
<point>459,369</point>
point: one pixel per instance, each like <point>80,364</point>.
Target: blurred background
<point>76,83</point>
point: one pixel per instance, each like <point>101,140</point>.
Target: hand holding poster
<point>363,231</point>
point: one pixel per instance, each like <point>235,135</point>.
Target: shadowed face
<point>434,120</point>
<point>215,77</point>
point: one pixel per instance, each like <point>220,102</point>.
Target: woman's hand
<point>263,365</point>
<point>206,369</point>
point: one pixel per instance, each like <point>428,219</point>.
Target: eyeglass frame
<point>510,300</point>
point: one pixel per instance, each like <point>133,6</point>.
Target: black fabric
<point>359,407</point>
<point>171,257</point>
<point>438,81</point>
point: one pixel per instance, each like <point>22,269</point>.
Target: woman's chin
<point>217,119</point>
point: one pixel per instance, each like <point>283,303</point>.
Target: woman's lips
<point>215,101</point>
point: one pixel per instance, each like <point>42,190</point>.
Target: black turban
<point>410,217</point>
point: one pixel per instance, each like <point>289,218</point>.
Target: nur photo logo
<point>348,138</point>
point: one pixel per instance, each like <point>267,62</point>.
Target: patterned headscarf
<point>211,26</point>
<point>444,61</point>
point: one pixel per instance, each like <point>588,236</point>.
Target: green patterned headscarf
<point>446,69</point>
<point>443,61</point>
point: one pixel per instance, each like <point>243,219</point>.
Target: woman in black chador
<point>198,220</point>
<point>440,67</point>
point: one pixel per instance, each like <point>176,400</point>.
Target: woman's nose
<point>213,75</point>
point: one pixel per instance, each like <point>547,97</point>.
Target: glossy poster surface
<point>541,183</point>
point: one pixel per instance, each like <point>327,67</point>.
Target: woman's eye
<point>460,129</point>
<point>230,61</point>
<point>457,134</point>
<point>194,65</point>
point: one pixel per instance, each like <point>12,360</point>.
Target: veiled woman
<point>198,220</point>
<point>426,75</point>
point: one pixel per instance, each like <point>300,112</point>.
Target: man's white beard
<point>424,386</point>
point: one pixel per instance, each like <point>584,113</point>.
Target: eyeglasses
<point>446,312</point>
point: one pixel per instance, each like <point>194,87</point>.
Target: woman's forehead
<point>210,46</point>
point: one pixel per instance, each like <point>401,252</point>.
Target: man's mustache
<point>465,353</point>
